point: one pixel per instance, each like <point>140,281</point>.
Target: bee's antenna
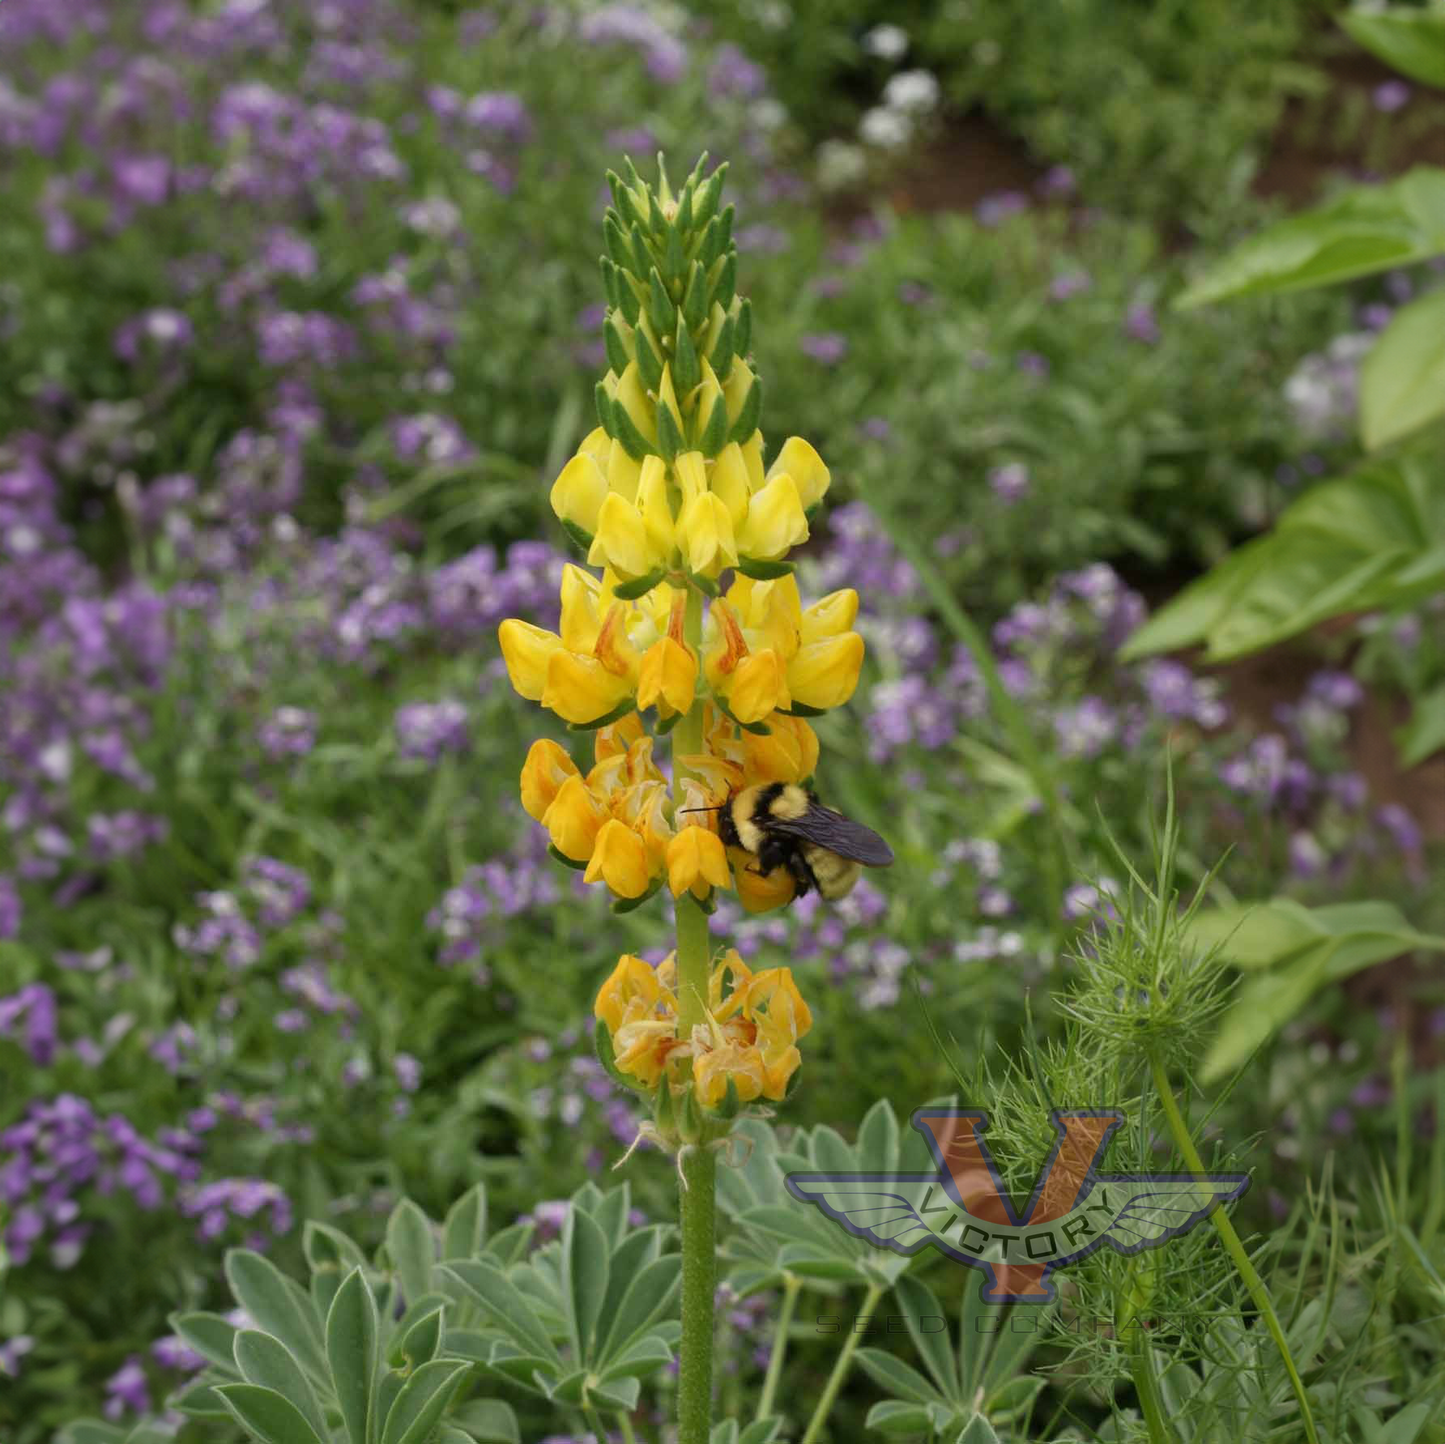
<point>682,810</point>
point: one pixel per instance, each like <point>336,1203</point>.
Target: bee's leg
<point>802,874</point>
<point>773,854</point>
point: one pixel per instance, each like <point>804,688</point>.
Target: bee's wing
<point>826,828</point>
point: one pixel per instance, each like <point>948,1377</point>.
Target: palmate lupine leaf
<point>1410,41</point>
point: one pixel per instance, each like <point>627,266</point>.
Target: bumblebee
<point>784,825</point>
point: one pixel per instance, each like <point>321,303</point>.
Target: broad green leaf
<point>1402,380</point>
<point>1366,230</point>
<point>1372,540</point>
<point>585,1263</point>
<point>422,1401</point>
<point>901,1380</point>
<point>410,1247</point>
<point>419,1344</point>
<point>1406,1425</point>
<point>638,1249</point>
<point>266,1416</point>
<point>328,1248</point>
<point>263,1360</point>
<point>211,1336</point>
<point>488,1420</point>
<point>1316,946</point>
<point>466,1227</point>
<point>761,1431</point>
<point>646,1356</point>
<point>200,1402</point>
<point>878,1138</point>
<point>276,1306</point>
<point>1425,733</point>
<point>351,1343</point>
<point>1410,41</point>
<point>484,1284</point>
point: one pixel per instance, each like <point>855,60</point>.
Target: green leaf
<point>264,1360</point>
<point>1410,41</point>
<point>410,1247</point>
<point>557,856</point>
<point>211,1336</point>
<point>765,571</point>
<point>1364,231</point>
<point>91,1431</point>
<point>488,1420</point>
<point>422,1401</point>
<point>623,709</point>
<point>276,1306</point>
<point>1425,733</point>
<point>466,1227</point>
<point>483,1283</point>
<point>893,1416</point>
<point>638,587</point>
<point>266,1416</point>
<point>585,1267</point>
<point>623,905</point>
<point>421,1341</point>
<point>752,409</point>
<point>901,1380</point>
<point>977,1431</point>
<point>328,1248</point>
<point>1292,952</point>
<point>935,1345</point>
<point>198,1402</point>
<point>761,1431</point>
<point>351,1345</point>
<point>1402,380</point>
<point>1369,541</point>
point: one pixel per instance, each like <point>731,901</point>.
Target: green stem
<point>792,1286</point>
<point>1010,715</point>
<point>1233,1245</point>
<point>1147,1387</point>
<point>840,1369</point>
<point>699,1274</point>
<point>628,1436</point>
<point>697,1163</point>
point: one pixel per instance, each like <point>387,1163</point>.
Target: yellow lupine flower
<point>759,686</point>
<point>621,541</point>
<point>800,461</point>
<point>631,981</point>
<point>775,521</point>
<point>731,1062</point>
<point>622,471</point>
<point>705,531</point>
<point>825,674</point>
<point>760,892</point>
<point>573,819</point>
<point>619,858</point>
<point>578,493</point>
<point>696,862</point>
<point>730,484</point>
<point>581,689</point>
<point>830,617</point>
<point>527,651</point>
<point>668,677</point>
<point>789,752</point>
<point>656,510</point>
<point>543,773</point>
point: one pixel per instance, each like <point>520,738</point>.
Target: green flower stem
<point>840,1369</point>
<point>1147,1387</point>
<point>698,1164</point>
<point>1233,1245</point>
<point>792,1286</point>
<point>699,1274</point>
<point>1010,715</point>
<point>628,1435</point>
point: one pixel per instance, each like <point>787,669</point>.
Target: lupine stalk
<point>668,497</point>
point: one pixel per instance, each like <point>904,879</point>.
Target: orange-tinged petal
<point>547,767</point>
<point>696,862</point>
<point>580,689</point>
<point>632,980</point>
<point>759,686</point>
<point>715,1068</point>
<point>668,675</point>
<point>619,858</point>
<point>789,753</point>
<point>527,651</point>
<point>614,647</point>
<point>728,647</point>
<point>573,820</point>
<point>760,892</point>
<point>617,737</point>
<point>825,674</point>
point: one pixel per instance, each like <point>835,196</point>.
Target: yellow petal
<point>753,460</point>
<point>775,521</point>
<point>573,820</point>
<point>580,689</point>
<point>789,753</point>
<point>730,482</point>
<point>614,647</point>
<point>759,686</point>
<point>696,861</point>
<point>736,388</point>
<point>616,738</point>
<point>632,980</point>
<point>632,396</point>
<point>656,510</point>
<point>825,673</point>
<point>621,539</point>
<point>622,472</point>
<point>689,469</point>
<point>619,858</point>
<point>581,617</point>
<point>598,445</point>
<point>668,675</point>
<point>578,492</point>
<point>547,767</point>
<point>714,1069</point>
<point>527,651</point>
<point>836,613</point>
<point>760,892</point>
<point>800,461</point>
<point>706,532</point>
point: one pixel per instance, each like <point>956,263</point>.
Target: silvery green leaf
<point>410,1247</point>
<point>586,1264</point>
<point>266,1416</point>
<point>277,1306</point>
<point>466,1226</point>
<point>489,1421</point>
<point>211,1336</point>
<point>265,1361</point>
<point>351,1334</point>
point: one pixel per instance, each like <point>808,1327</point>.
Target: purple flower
<point>828,347</point>
<point>1010,483</point>
<point>429,729</point>
<point>1390,96</point>
<point>127,1391</point>
<point>733,74</point>
<point>10,909</point>
<point>35,1007</point>
<point>995,209</point>
<point>408,1072</point>
<point>1141,324</point>
<point>288,732</point>
<point>501,112</point>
